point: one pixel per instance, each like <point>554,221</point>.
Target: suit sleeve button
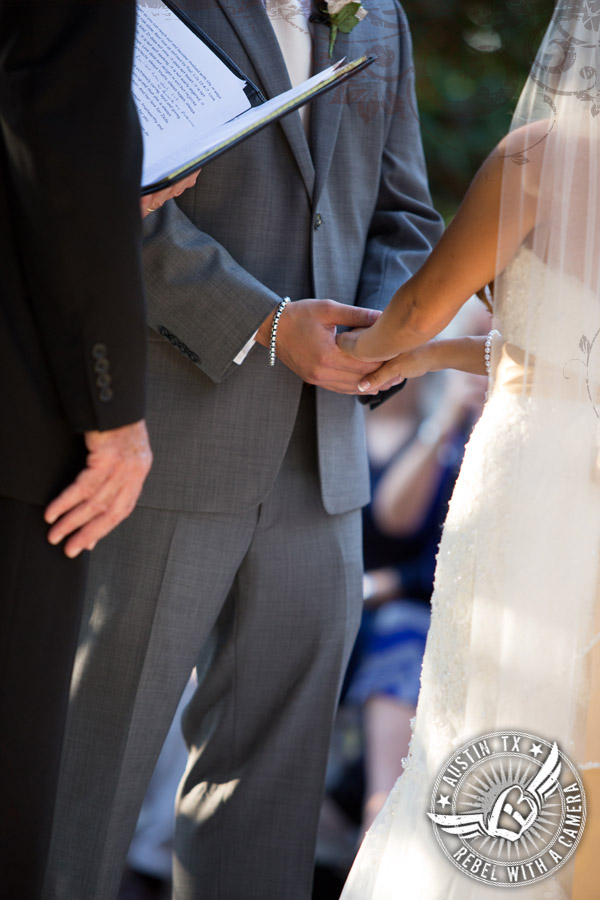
<point>106,394</point>
<point>99,351</point>
<point>101,365</point>
<point>103,380</point>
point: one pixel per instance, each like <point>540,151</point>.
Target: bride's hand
<point>411,364</point>
<point>350,342</point>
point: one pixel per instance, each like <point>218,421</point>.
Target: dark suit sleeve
<point>73,157</point>
<point>404,227</point>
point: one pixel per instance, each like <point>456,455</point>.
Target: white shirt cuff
<point>239,359</point>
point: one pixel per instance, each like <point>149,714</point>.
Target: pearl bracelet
<point>488,349</point>
<point>276,318</point>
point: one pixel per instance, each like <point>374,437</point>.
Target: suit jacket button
<point>106,394</point>
<point>318,220</point>
<point>99,351</point>
<point>101,365</point>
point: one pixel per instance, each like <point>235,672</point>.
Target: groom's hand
<point>306,342</point>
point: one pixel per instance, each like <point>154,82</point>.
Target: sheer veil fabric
<point>515,607</point>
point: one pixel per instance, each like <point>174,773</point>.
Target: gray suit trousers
<point>266,604</point>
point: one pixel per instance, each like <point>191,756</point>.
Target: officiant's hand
<point>151,202</point>
<point>306,342</point>
<point>105,492</point>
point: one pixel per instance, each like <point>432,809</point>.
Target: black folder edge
<point>256,99</point>
<point>255,96</point>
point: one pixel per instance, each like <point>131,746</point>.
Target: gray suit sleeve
<point>198,297</point>
<point>404,227</point>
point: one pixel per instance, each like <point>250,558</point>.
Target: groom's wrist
<point>263,335</point>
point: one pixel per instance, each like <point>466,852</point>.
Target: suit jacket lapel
<point>326,111</point>
<point>254,30</point>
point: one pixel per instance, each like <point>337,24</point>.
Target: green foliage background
<point>471,59</point>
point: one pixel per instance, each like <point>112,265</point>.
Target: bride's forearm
<point>465,354</point>
<point>476,245</point>
<point>395,331</point>
<point>422,307</point>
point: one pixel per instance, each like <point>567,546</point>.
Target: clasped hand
<point>306,343</point>
<point>385,373</point>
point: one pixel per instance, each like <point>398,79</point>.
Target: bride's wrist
<point>371,345</point>
<point>430,356</point>
<point>442,354</point>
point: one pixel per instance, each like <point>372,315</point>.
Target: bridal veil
<point>515,630</point>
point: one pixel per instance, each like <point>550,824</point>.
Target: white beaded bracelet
<point>488,349</point>
<point>276,319</point>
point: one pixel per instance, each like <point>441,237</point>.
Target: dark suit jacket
<point>72,338</point>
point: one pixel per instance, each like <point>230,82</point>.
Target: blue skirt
<point>390,648</point>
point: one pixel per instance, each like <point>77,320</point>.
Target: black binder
<point>229,134</point>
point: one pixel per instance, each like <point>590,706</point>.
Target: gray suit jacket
<point>347,218</point>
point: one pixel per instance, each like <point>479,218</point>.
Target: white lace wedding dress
<point>515,589</point>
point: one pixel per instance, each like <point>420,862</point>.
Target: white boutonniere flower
<point>340,15</point>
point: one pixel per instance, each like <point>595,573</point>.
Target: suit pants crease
<point>266,603</point>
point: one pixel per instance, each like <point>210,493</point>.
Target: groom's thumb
<point>354,316</point>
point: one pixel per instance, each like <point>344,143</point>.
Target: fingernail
<point>50,519</point>
<point>71,553</point>
<point>364,386</point>
<point>54,539</point>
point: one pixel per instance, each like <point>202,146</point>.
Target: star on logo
<point>444,801</point>
<point>536,750</point>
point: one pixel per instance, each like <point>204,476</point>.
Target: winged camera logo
<point>508,808</point>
